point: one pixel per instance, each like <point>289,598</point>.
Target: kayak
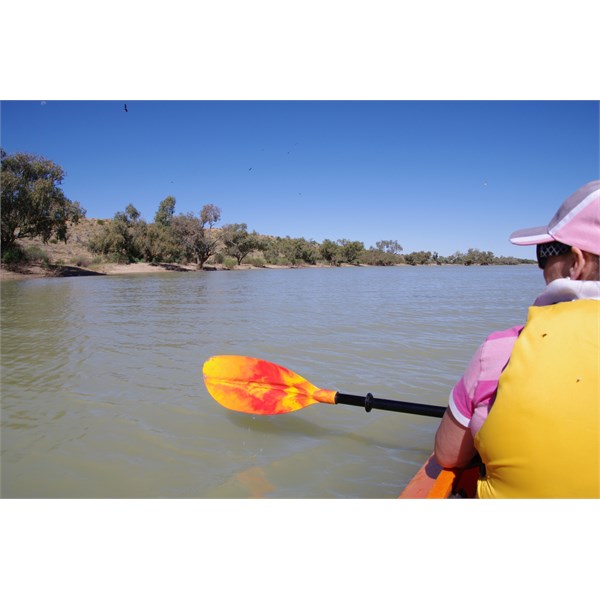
<point>434,482</point>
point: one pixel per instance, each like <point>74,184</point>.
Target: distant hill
<point>75,250</point>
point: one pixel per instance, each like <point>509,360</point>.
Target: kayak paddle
<point>255,386</point>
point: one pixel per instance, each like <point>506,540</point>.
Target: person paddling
<point>528,402</point>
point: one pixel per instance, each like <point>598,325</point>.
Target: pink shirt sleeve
<point>471,398</point>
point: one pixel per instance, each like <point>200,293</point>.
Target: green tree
<point>165,212</point>
<point>158,243</point>
<point>239,243</point>
<point>132,215</point>
<point>458,258</point>
<point>419,258</point>
<point>389,246</point>
<point>350,251</point>
<point>330,251</point>
<point>308,251</point>
<point>476,256</point>
<point>32,202</point>
<point>210,215</point>
<point>372,256</point>
<point>121,237</point>
<point>291,251</point>
<point>198,242</point>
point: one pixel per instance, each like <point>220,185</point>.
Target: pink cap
<point>576,222</point>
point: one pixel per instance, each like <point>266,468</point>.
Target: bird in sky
<point>125,107</point>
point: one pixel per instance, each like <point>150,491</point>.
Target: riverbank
<point>35,271</point>
<point>39,271</point>
<point>74,259</point>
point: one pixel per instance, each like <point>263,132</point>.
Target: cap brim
<point>531,236</point>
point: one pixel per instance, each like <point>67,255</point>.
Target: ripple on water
<point>102,392</point>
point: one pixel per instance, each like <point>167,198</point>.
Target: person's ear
<point>577,267</point>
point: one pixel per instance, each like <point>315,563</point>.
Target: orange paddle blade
<point>258,387</point>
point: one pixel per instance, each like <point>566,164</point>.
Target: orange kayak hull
<point>434,482</point>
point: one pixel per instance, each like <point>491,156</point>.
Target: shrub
<point>36,254</point>
<point>255,261</point>
<point>82,261</point>
<point>13,256</point>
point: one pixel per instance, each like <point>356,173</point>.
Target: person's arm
<point>454,446</point>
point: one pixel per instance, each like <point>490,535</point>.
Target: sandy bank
<point>36,272</point>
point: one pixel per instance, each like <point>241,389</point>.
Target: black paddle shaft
<point>368,403</point>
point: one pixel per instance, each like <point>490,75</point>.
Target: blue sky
<point>434,175</point>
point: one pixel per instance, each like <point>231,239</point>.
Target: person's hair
<point>545,251</point>
<point>594,273</point>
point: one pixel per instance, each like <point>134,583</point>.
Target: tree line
<point>33,205</point>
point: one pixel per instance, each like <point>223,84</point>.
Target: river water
<point>102,391</point>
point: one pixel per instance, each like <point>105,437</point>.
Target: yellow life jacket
<point>540,439</point>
